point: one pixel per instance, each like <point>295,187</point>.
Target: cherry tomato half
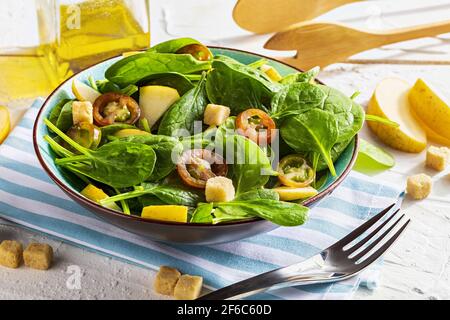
<point>198,51</point>
<point>114,107</point>
<point>85,134</point>
<point>294,171</point>
<point>196,166</point>
<point>256,125</point>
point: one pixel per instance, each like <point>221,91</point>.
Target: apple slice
<point>124,133</point>
<point>155,101</point>
<point>131,53</point>
<point>292,194</point>
<point>390,101</point>
<point>431,104</point>
<point>83,92</point>
<point>5,123</point>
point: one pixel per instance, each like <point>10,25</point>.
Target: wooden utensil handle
<point>428,30</point>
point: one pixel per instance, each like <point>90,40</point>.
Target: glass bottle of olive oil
<point>45,41</point>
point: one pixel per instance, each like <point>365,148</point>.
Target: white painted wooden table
<point>418,267</point>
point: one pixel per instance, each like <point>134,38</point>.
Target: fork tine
<point>376,241</point>
<point>359,244</point>
<point>358,231</point>
<point>377,254</point>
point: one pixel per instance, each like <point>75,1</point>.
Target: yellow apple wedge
<point>5,123</point>
<point>124,133</point>
<point>291,194</point>
<point>155,101</point>
<point>83,92</point>
<point>131,53</point>
<point>432,107</point>
<point>431,134</point>
<point>390,101</point>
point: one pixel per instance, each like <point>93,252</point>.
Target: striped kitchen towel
<point>29,198</point>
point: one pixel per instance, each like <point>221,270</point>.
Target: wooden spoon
<point>321,44</point>
<point>265,16</point>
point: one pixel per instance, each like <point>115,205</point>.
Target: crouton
<point>215,114</point>
<point>166,280</point>
<point>437,158</point>
<point>219,189</point>
<point>419,186</point>
<point>188,287</point>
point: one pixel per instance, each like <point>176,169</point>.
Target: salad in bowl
<point>188,135</point>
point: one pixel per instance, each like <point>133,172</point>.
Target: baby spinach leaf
<point>374,118</point>
<point>251,168</point>
<point>314,131</point>
<point>134,69</point>
<point>372,158</point>
<point>56,111</point>
<point>183,113</point>
<point>238,86</point>
<point>172,46</point>
<point>349,115</point>
<point>149,200</point>
<point>278,212</point>
<point>105,86</point>
<point>167,150</point>
<point>174,195</point>
<point>203,213</point>
<point>258,194</point>
<point>335,153</point>
<point>117,164</point>
<point>65,118</point>
<point>296,99</point>
<point>258,63</point>
<point>308,76</point>
<point>174,80</point>
<point>108,131</point>
<point>201,140</point>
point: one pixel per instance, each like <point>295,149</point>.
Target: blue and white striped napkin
<point>29,198</point>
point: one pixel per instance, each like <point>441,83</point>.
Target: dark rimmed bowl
<point>196,234</point>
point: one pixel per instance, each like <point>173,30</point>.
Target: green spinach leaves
<point>315,131</point>
<point>238,86</point>
<point>183,113</point>
<point>136,68</point>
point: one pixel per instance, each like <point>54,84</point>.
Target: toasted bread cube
<point>188,287</point>
<point>11,254</point>
<point>437,158</point>
<point>271,72</point>
<point>82,111</point>
<point>219,189</point>
<point>38,256</point>
<point>215,114</point>
<point>419,186</point>
<point>166,280</point>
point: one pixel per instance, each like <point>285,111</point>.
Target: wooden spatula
<point>265,16</point>
<point>321,44</point>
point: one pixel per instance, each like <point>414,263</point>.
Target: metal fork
<point>342,260</point>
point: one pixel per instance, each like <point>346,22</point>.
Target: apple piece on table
<point>390,101</point>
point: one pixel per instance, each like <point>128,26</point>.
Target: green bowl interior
<point>97,71</point>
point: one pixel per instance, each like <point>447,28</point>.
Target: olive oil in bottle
<point>94,30</point>
<point>70,35</point>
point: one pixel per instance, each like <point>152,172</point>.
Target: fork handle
<point>427,30</point>
<point>310,271</point>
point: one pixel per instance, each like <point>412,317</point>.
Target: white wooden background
<point>418,267</point>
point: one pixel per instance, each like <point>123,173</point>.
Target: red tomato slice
<point>196,166</point>
<point>256,125</point>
